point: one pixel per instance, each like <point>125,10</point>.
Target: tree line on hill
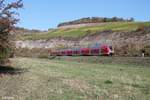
<point>95,20</point>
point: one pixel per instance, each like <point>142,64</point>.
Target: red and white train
<point>96,50</point>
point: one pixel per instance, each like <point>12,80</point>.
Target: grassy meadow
<point>82,31</point>
<point>78,78</point>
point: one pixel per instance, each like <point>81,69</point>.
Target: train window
<point>110,47</point>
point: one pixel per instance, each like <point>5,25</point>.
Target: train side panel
<point>94,51</point>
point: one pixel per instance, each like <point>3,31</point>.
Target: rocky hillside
<point>128,38</point>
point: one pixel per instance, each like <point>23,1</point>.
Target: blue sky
<point>44,14</point>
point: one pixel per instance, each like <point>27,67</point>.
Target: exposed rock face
<point>53,43</point>
<point>117,39</point>
<point>125,43</point>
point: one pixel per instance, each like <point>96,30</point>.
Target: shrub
<point>108,82</point>
<point>7,22</point>
<point>34,52</point>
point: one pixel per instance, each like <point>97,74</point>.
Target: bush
<point>34,52</point>
<point>108,82</point>
<point>147,50</point>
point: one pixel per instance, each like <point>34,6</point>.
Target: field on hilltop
<point>83,31</point>
<point>77,78</point>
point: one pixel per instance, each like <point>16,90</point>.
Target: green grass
<point>79,32</point>
<point>64,78</point>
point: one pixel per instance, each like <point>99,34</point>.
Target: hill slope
<point>128,38</point>
<point>83,31</point>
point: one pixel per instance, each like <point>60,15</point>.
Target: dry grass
<point>60,79</point>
